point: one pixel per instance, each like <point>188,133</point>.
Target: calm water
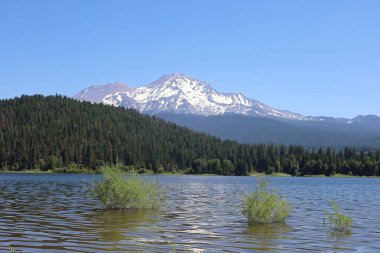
<point>53,213</point>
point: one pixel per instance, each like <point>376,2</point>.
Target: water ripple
<point>54,213</point>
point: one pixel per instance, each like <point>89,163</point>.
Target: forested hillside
<point>44,133</point>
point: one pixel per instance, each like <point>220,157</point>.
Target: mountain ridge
<point>178,93</point>
<point>182,94</point>
<point>311,134</point>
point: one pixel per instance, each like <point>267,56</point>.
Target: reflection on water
<point>113,225</point>
<point>53,213</point>
<point>338,240</point>
<point>264,237</point>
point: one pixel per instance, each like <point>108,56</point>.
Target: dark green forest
<point>45,133</point>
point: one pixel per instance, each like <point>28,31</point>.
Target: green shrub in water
<point>338,219</point>
<point>116,190</point>
<point>12,249</point>
<point>265,206</point>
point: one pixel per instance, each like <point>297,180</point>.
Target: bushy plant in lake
<point>338,219</point>
<point>116,190</point>
<point>265,206</point>
<point>12,249</point>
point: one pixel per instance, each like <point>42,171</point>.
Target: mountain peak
<point>179,75</point>
<point>175,77</point>
<point>366,119</point>
<point>96,93</point>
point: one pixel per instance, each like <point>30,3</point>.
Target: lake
<point>54,213</point>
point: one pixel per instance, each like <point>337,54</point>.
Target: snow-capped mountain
<point>96,93</point>
<point>187,101</point>
<point>178,93</point>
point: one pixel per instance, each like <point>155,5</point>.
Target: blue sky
<point>315,57</point>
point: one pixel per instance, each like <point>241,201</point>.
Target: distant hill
<point>45,133</point>
<point>251,130</point>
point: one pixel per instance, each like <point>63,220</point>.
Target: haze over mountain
<point>245,129</point>
<point>193,103</point>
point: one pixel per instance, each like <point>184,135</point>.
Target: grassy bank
<point>340,176</point>
<point>26,171</point>
<point>143,171</point>
<point>276,174</point>
<point>55,170</point>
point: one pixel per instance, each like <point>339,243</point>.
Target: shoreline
<point>147,173</point>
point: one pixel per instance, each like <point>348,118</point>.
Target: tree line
<point>45,133</point>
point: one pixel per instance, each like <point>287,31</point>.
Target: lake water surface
<point>54,213</point>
